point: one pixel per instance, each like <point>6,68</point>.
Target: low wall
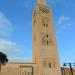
<point>19,69</point>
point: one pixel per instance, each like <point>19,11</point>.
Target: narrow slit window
<point>47,36</point>
<point>44,25</point>
<point>49,65</point>
<point>47,42</point>
<point>43,11</point>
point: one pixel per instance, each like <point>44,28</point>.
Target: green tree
<point>3,59</point>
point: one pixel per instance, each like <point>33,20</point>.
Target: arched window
<point>47,35</point>
<point>47,42</point>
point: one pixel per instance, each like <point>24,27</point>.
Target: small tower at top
<point>43,2</point>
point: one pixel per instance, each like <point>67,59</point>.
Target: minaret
<point>45,53</point>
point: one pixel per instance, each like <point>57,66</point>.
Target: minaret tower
<point>45,53</point>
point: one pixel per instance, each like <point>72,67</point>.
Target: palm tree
<point>3,59</point>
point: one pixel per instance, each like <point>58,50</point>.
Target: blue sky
<point>16,28</point>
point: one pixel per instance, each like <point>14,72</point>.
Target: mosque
<point>45,55</point>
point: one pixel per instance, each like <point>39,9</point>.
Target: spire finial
<point>43,2</point>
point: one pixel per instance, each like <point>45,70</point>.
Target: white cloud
<point>12,52</point>
<point>63,19</point>
<point>64,22</point>
<point>20,59</point>
<point>8,47</point>
<point>5,25</point>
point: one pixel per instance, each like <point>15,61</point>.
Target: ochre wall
<point>19,69</point>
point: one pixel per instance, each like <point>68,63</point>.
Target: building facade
<point>45,55</point>
<point>67,71</point>
<point>19,69</point>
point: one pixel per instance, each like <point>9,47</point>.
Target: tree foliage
<point>3,59</point>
